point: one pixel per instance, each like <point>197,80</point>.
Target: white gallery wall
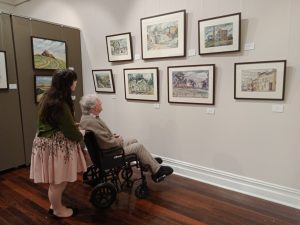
<point>243,146</point>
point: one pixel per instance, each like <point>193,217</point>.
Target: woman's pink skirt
<point>56,159</point>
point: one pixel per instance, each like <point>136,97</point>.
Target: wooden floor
<point>176,200</point>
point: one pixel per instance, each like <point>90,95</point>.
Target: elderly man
<point>91,107</point>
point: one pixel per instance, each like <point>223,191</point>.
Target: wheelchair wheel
<point>91,176</point>
<point>141,191</point>
<point>103,195</point>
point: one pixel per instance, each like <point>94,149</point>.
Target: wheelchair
<point>104,174</point>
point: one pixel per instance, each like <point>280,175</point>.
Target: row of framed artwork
<point>47,54</point>
<point>264,80</point>
<point>195,84</point>
<point>164,36</point>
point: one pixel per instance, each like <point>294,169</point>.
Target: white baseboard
<point>272,192</point>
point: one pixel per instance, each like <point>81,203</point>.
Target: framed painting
<point>142,84</point>
<point>264,80</point>
<point>163,35</point>
<point>220,34</point>
<point>3,71</point>
<point>193,84</point>
<point>42,84</point>
<point>48,54</point>
<point>119,47</point>
<point>104,81</point>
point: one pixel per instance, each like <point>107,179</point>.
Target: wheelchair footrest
<point>159,179</point>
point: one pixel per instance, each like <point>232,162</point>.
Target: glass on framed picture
<point>163,35</point>
<point>119,47</point>
<point>262,80</point>
<point>103,81</point>
<point>48,54</point>
<point>193,84</point>
<point>141,84</point>
<point>3,71</point>
<point>42,84</point>
<point>219,34</point>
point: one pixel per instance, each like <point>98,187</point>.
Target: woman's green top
<point>66,125</point>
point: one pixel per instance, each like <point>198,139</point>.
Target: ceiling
<point>13,2</point>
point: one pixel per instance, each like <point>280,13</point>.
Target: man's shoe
<point>162,173</point>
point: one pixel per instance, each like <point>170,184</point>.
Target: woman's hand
<point>82,132</point>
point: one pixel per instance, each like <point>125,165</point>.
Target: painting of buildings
<point>162,36</point>
<point>140,83</point>
<point>218,35</point>
<point>119,46</point>
<point>259,80</point>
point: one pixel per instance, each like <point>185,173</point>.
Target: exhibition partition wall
<point>11,136</point>
<point>20,112</point>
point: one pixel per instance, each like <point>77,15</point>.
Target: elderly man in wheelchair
<point>111,154</point>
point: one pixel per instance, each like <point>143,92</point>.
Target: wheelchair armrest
<point>112,151</point>
<point>131,157</point>
<point>112,158</point>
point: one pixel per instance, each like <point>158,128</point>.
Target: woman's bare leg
<point>55,197</point>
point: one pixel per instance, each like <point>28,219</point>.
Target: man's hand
<point>120,140</point>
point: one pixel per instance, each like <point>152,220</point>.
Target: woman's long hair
<point>59,92</point>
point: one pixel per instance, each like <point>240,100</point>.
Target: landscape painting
<point>164,35</point>
<point>263,80</point>
<point>119,47</point>
<point>141,84</point>
<point>42,83</point>
<point>49,54</point>
<point>191,84</point>
<point>104,81</point>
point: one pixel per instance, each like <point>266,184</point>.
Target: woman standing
<point>56,154</point>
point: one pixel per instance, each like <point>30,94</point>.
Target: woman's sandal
<point>75,212</point>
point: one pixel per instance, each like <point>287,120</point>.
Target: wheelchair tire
<point>141,191</point>
<point>91,176</point>
<point>103,195</point>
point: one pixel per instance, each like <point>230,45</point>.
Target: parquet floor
<point>177,200</point>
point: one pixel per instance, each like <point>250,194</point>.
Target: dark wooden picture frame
<point>104,81</point>
<point>42,83</point>
<point>192,84</point>
<point>141,84</point>
<point>262,80</point>
<point>119,47</point>
<point>164,35</point>
<point>3,71</point>
<point>220,34</point>
<point>48,54</point>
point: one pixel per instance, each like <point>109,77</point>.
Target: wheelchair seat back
<point>104,159</point>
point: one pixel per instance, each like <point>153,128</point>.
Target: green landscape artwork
<point>49,54</point>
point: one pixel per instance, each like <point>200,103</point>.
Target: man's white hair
<point>88,102</point>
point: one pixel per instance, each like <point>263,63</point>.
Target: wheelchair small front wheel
<point>141,191</point>
<point>127,173</point>
<point>103,195</point>
<point>91,176</point>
